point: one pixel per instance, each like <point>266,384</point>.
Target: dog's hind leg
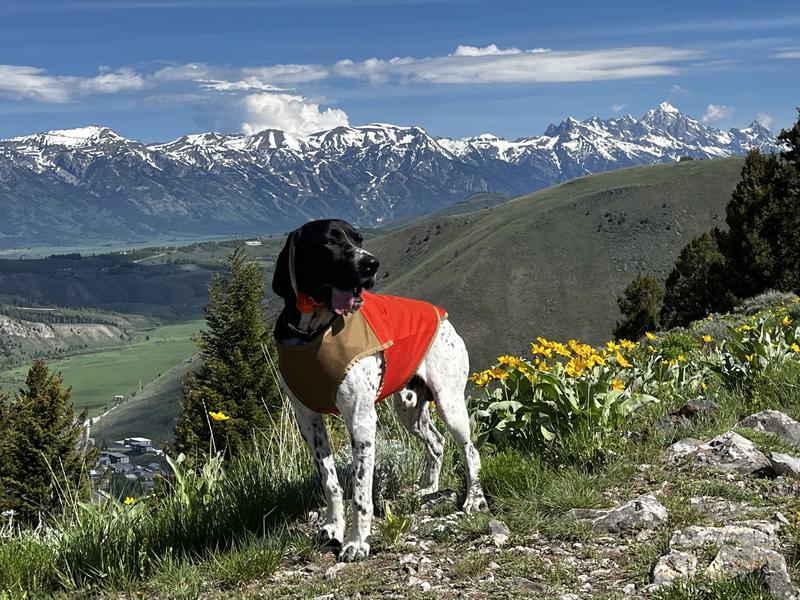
<point>312,428</point>
<point>355,399</point>
<point>416,419</point>
<point>445,370</point>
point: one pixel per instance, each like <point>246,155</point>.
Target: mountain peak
<point>667,108</point>
<point>77,137</point>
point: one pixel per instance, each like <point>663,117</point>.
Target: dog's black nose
<point>368,265</point>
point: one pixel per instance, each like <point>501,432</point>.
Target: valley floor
<point>97,377</point>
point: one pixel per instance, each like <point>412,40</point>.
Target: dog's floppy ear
<point>281,280</point>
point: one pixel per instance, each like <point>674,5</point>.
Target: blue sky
<point>157,69</point>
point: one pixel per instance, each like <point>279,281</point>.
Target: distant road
<point>149,257</point>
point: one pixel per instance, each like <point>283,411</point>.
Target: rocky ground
<point>721,508</point>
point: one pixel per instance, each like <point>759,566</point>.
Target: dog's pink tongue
<point>342,301</point>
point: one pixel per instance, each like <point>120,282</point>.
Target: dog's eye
<point>330,242</point>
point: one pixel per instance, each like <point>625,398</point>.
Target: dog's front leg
<point>356,401</point>
<point>312,428</point>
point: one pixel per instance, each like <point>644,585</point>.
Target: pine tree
<point>45,451</point>
<point>784,218</point>
<point>5,450</point>
<point>750,255</point>
<point>235,379</point>
<point>791,137</point>
<point>639,304</point>
<point>764,220</point>
<point>697,284</point>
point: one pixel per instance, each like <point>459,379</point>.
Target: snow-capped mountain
<point>97,184</point>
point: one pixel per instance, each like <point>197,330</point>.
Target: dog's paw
<point>476,503</point>
<point>328,536</point>
<point>353,551</point>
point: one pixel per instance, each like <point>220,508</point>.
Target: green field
<point>97,377</point>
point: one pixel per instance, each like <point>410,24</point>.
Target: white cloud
<point>288,112</point>
<point>787,54</point>
<point>20,82</point>
<point>618,106</point>
<point>489,50</point>
<point>246,85</point>
<point>677,89</point>
<point>290,73</point>
<point>492,65</point>
<point>111,82</point>
<point>187,72</point>
<point>765,119</point>
<point>718,112</point>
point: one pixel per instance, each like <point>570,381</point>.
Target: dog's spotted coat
<point>441,378</point>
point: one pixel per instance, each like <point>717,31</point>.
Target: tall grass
<point>233,515</point>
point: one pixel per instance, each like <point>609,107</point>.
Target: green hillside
<point>152,412</point>
<point>553,263</point>
<point>97,377</point>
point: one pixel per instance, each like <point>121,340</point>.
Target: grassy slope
<point>152,412</point>
<point>553,263</point>
<point>96,378</point>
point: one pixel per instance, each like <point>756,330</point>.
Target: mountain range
<point>92,184</point>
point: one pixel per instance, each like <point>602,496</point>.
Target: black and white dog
<point>324,261</point>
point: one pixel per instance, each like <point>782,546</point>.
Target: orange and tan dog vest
<point>402,328</point>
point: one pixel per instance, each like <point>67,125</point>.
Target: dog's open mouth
<point>344,302</point>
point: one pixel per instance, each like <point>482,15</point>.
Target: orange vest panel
<point>400,327</point>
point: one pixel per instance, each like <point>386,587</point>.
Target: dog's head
<point>329,265</point>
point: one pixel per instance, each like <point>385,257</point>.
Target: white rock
<point>774,421</point>
<point>697,536</point>
<point>498,532</point>
<point>334,570</point>
<point>785,465</point>
<point>732,561</point>
<point>683,448</point>
<point>642,512</point>
<point>672,566</point>
<point>731,451</point>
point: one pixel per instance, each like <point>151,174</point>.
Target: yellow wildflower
<point>703,385</point>
<point>575,367</point>
<point>545,351</point>
<point>622,362</point>
<point>597,359</point>
<point>672,362</point>
<point>612,345</point>
<point>681,358</point>
<point>482,378</point>
<point>512,361</point>
<point>744,327</point>
<point>541,365</point>
<point>218,416</point>
<point>652,349</point>
<point>786,321</point>
<point>707,339</point>
<point>561,349</point>
<point>627,344</point>
<point>617,384</point>
<point>128,501</point>
<point>795,347</point>
<point>650,336</point>
<point>499,373</point>
<point>749,357</point>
